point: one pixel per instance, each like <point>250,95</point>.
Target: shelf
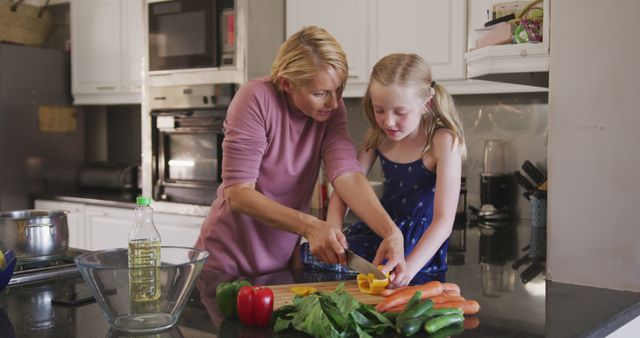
<point>195,76</point>
<point>517,58</point>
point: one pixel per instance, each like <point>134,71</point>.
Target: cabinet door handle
<point>95,213</point>
<point>106,88</point>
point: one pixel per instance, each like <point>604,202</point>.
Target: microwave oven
<point>189,34</point>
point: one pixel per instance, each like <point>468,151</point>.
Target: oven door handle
<point>189,130</point>
<point>171,112</point>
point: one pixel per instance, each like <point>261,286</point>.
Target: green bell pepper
<point>226,297</point>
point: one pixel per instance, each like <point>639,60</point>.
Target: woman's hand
<point>326,242</point>
<point>391,249</point>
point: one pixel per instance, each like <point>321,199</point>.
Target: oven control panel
<point>191,96</point>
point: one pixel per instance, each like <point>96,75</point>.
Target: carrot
<point>389,292</point>
<point>444,298</point>
<point>471,323</point>
<point>398,308</point>
<point>451,292</point>
<point>469,307</point>
<point>430,289</point>
<point>451,287</point>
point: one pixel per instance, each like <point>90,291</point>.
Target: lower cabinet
<point>107,227</point>
<point>93,227</point>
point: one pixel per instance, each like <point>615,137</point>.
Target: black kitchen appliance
<point>497,185</point>
<point>187,134</point>
<point>57,267</point>
<point>109,175</point>
<point>188,34</point>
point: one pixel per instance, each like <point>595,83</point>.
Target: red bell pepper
<point>255,305</point>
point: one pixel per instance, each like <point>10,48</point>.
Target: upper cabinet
<point>106,51</point>
<point>435,30</point>
<point>349,26</point>
<point>369,30</point>
<point>526,63</point>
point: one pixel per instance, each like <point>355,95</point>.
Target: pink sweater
<point>280,149</point>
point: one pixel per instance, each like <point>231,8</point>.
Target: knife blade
<point>361,265</point>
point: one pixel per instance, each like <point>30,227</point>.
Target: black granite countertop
<point>483,271</point>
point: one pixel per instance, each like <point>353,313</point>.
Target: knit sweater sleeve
<point>338,152</point>
<point>245,135</point>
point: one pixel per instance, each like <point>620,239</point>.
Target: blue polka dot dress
<point>408,198</point>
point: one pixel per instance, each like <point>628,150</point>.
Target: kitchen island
<point>509,307</point>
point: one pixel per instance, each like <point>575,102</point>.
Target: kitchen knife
<point>361,265</point>
<point>524,182</point>
<point>533,172</point>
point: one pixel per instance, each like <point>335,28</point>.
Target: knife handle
<point>536,175</point>
<point>523,181</point>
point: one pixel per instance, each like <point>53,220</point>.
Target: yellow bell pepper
<point>303,290</point>
<point>370,285</point>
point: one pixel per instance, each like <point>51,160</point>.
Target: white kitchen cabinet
<point>75,219</point>
<point>178,230</point>
<point>106,51</point>
<point>349,26</point>
<point>107,227</point>
<point>504,59</point>
<point>95,227</point>
<point>435,30</point>
<point>368,30</point>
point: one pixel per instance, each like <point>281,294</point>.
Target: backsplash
<point>519,119</point>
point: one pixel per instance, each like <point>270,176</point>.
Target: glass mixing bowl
<point>142,300</point>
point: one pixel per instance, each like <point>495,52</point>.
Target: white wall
<point>594,161</point>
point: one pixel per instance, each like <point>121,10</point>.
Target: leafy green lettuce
<point>331,314</point>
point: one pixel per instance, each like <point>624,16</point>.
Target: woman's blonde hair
<point>305,53</point>
<point>410,70</point>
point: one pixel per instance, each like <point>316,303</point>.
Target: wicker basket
<point>24,24</point>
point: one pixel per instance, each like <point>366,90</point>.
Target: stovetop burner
<point>53,267</point>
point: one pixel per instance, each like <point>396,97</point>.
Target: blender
<point>497,188</point>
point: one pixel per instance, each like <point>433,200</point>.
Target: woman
<point>277,131</point>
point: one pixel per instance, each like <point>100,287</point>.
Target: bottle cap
<point>143,201</point>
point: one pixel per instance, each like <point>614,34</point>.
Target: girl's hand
<point>391,250</point>
<point>326,242</point>
<point>404,277</point>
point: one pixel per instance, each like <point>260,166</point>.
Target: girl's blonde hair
<point>305,53</point>
<point>410,70</point>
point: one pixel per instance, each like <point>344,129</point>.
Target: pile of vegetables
<point>253,304</point>
<point>419,314</point>
<point>434,307</point>
<point>331,314</point>
<point>443,295</point>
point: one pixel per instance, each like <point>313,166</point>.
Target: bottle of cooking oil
<point>144,258</point>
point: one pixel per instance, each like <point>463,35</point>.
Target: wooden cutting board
<point>283,295</point>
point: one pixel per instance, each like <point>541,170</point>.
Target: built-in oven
<point>187,134</point>
<point>187,34</point>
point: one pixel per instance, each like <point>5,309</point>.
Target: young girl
<point>417,134</point>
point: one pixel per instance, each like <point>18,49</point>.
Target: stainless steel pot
<point>34,234</point>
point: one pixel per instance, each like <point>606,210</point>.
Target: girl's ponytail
<point>446,115</point>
